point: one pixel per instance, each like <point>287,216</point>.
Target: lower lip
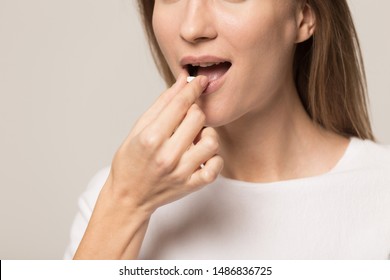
<point>215,85</point>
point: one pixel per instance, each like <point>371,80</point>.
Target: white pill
<point>190,78</point>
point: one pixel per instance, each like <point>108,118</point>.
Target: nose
<point>198,24</point>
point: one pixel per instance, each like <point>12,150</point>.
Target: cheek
<point>265,49</point>
<point>265,35</point>
<point>267,44</point>
<point>160,28</point>
<point>164,31</point>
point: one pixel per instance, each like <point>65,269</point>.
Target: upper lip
<point>203,59</point>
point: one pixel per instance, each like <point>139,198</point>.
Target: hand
<point>160,160</point>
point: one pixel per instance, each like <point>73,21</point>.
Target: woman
<point>267,153</point>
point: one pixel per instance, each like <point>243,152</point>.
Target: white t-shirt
<point>343,214</point>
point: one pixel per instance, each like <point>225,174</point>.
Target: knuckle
<point>178,178</point>
<point>164,163</point>
<point>149,139</point>
<point>195,108</point>
<point>211,132</point>
<point>211,144</point>
<point>220,162</point>
<point>209,176</point>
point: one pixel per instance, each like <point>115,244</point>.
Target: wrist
<point>116,228</point>
<point>120,203</point>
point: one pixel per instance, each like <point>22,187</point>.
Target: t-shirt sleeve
<point>86,204</point>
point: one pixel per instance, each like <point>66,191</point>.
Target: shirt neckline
<point>339,166</point>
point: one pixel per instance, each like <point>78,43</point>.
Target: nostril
<point>202,39</point>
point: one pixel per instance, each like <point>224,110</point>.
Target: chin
<point>217,119</point>
<point>220,108</point>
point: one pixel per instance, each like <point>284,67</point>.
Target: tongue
<point>214,72</point>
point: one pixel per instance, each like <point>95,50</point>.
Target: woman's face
<point>245,47</point>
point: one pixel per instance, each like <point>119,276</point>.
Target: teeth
<point>206,64</point>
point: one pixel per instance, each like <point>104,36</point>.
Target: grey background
<point>74,77</point>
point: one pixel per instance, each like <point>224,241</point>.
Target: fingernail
<point>204,81</point>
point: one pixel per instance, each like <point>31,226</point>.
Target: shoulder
<point>368,154</point>
<point>365,168</point>
<point>377,153</point>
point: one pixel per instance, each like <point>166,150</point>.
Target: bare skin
<point>290,145</point>
<point>158,163</point>
<point>262,131</point>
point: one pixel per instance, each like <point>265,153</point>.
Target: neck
<point>278,144</point>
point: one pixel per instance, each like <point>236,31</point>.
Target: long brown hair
<point>328,68</point>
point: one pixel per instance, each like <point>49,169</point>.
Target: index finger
<point>161,102</point>
<point>171,116</point>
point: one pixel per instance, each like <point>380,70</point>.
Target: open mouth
<point>213,71</point>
